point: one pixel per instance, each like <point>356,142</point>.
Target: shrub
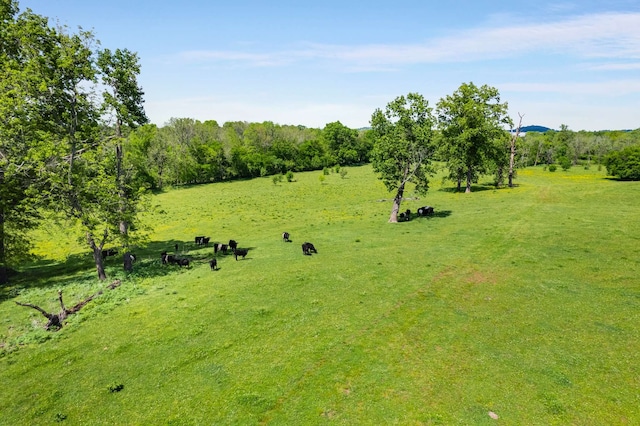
<point>624,164</point>
<point>276,178</point>
<point>565,163</point>
<point>325,171</point>
<point>321,178</point>
<point>289,176</point>
<point>552,167</point>
<point>343,173</point>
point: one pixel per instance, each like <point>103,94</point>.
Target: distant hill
<point>540,129</point>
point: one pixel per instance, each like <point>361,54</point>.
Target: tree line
<point>569,148</point>
<point>188,151</point>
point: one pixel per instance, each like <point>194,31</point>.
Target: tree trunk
<point>396,204</point>
<point>4,275</point>
<point>466,191</point>
<point>97,255</point>
<point>398,198</point>
<point>512,156</point>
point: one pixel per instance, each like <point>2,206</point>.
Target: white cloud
<point>604,88</point>
<point>607,35</point>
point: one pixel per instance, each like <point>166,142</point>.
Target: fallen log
<point>57,320</point>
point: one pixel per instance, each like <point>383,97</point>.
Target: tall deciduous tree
<point>26,44</point>
<point>470,120</point>
<point>403,145</point>
<point>343,143</point>
<point>83,186</point>
<point>123,98</point>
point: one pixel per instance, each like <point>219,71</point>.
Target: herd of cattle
<point>175,259</point>
<point>307,247</point>
<point>422,211</point>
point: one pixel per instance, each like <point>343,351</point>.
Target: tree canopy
<point>56,152</point>
<point>624,164</point>
<point>472,121</point>
<point>403,145</point>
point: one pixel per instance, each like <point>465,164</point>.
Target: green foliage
<point>343,173</point>
<point>624,164</point>
<point>345,145</point>
<point>289,176</point>
<point>322,178</point>
<point>565,163</point>
<point>552,167</point>
<point>403,145</point>
<point>471,121</point>
<point>276,179</point>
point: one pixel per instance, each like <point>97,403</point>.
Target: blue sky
<point>312,63</point>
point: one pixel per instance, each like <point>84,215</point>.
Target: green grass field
<point>520,303</point>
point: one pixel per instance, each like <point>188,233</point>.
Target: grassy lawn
<point>522,303</point>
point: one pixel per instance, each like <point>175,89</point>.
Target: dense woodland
<point>187,151</point>
<point>75,142</point>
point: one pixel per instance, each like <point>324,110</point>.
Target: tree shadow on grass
<point>78,268</point>
<point>474,188</point>
<point>437,214</point>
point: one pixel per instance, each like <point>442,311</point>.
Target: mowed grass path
<point>522,303</point>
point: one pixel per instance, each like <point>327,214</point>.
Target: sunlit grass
<point>523,302</point>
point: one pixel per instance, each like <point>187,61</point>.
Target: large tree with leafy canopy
<point>470,120</point>
<point>123,99</point>
<point>26,46</point>
<point>403,145</point>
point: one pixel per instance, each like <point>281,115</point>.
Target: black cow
<point>168,258</point>
<point>220,247</point>
<point>201,241</point>
<point>307,248</point>
<point>285,237</point>
<point>213,263</point>
<point>425,211</point>
<point>182,262</point>
<point>109,252</point>
<point>405,217</point>
<point>205,241</point>
<point>240,252</point>
<point>233,245</point>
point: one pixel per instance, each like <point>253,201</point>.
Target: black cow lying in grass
<point>213,264</point>
<point>425,211</point>
<point>202,241</point>
<point>183,262</point>
<point>240,252</point>
<point>167,258</point>
<point>285,237</point>
<point>405,217</point>
<point>307,248</point>
<point>109,252</point>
